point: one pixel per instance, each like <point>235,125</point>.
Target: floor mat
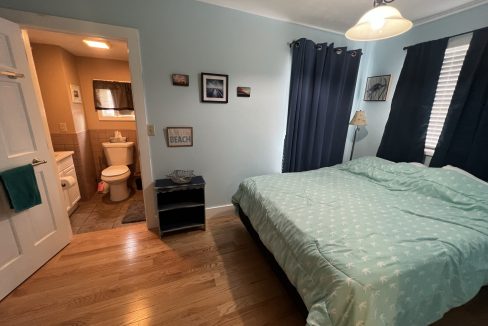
<point>135,213</point>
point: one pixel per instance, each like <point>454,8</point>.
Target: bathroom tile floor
<point>99,213</point>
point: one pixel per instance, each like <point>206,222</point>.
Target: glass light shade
<point>379,23</point>
<point>359,119</point>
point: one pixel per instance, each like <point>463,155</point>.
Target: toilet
<point>119,156</point>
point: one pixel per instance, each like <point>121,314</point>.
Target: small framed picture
<point>179,136</point>
<point>215,88</point>
<point>180,80</point>
<point>75,93</point>
<point>377,88</point>
<point>243,91</point>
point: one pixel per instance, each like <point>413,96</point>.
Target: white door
<point>30,238</point>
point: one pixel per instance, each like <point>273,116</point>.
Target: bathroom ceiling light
<point>97,44</point>
<point>379,23</point>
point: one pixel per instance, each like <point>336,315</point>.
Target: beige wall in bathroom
<point>50,66</point>
<point>93,68</point>
<point>56,70</point>
<point>71,75</point>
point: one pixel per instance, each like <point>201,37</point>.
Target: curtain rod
<point>290,44</point>
<point>474,30</point>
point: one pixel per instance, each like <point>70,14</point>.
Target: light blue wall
<point>231,141</point>
<point>386,57</point>
<point>245,137</point>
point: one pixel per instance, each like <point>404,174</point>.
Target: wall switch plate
<point>150,130</point>
<point>62,127</point>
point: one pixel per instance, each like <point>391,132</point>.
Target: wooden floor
<point>99,213</point>
<point>128,276</point>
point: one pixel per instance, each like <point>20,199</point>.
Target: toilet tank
<point>119,153</point>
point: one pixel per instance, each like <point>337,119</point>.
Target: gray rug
<point>135,213</point>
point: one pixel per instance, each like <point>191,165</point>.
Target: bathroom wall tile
<point>58,147</point>
<point>86,164</point>
<point>56,139</point>
<point>69,147</point>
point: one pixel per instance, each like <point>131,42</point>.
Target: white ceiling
<point>339,15</point>
<point>73,43</point>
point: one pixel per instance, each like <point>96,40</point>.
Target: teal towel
<point>21,187</point>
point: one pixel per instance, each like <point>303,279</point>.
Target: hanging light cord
<point>377,3</point>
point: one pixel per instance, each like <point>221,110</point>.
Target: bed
<point>371,242</point>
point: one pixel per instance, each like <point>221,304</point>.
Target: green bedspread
<point>371,242</point>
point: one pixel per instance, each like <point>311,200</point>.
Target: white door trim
<point>131,35</point>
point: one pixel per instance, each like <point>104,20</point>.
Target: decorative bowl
<point>181,176</point>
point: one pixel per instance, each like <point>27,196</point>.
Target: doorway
<point>129,35</point>
<point>85,83</point>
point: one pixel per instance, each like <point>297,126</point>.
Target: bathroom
<point>86,92</point>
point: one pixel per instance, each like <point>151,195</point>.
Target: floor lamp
<point>358,120</point>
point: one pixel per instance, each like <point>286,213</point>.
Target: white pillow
<point>458,170</point>
<point>417,164</point>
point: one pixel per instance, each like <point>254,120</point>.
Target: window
<point>113,100</point>
<point>451,67</point>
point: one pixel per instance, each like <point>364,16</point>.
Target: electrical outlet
<point>150,130</point>
<point>63,127</point>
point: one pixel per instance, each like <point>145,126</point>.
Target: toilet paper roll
<point>68,182</point>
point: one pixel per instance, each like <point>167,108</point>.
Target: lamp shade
<point>379,23</point>
<point>359,119</point>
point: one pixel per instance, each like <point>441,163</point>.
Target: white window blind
<point>451,67</point>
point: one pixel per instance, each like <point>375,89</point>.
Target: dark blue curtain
<point>405,131</point>
<point>464,138</point>
<point>323,79</point>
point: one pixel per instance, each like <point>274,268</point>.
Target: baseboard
<point>217,211</point>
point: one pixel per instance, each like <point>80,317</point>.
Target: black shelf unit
<point>180,206</point>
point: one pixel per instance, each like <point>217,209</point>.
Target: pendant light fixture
<point>379,23</point>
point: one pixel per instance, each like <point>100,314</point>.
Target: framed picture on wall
<point>180,80</point>
<point>215,88</point>
<point>243,91</point>
<point>75,93</point>
<point>377,88</point>
<point>179,136</point>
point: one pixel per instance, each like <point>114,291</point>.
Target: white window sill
<point>131,118</point>
<point>102,117</point>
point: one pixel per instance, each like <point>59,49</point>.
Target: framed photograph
<point>215,88</point>
<point>179,136</point>
<point>243,91</point>
<point>75,93</point>
<point>377,88</point>
<point>180,80</point>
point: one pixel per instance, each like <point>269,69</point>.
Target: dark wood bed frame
<point>274,264</point>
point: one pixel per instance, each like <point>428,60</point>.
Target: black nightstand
<point>180,206</point>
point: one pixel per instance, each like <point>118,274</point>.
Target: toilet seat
<point>114,171</point>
